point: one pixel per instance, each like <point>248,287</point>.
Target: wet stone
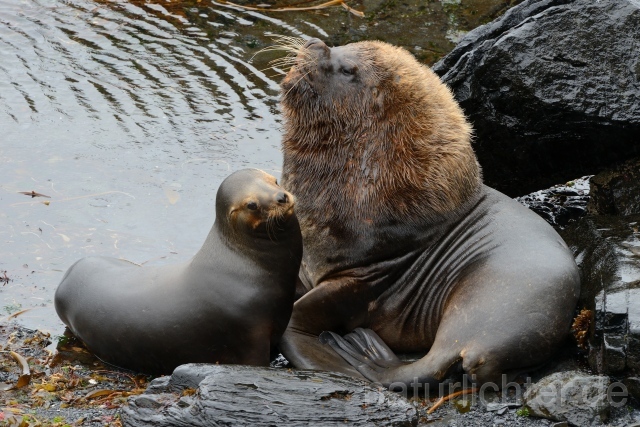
<point>499,406</point>
<point>616,191</point>
<point>280,362</point>
<point>607,250</point>
<point>561,203</point>
<point>493,407</point>
<point>633,386</point>
<point>204,395</point>
<point>159,384</point>
<point>579,399</point>
<point>147,402</point>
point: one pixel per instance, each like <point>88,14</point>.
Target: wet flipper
<point>365,366</point>
<point>375,348</point>
<point>364,350</point>
<point>347,351</point>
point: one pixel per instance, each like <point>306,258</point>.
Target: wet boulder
<point>616,191</point>
<point>561,203</point>
<point>210,395</point>
<point>607,250</point>
<point>552,89</point>
<point>606,244</point>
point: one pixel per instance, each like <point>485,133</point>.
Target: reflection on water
<point>129,115</point>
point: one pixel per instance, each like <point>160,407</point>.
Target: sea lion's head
<point>334,83</point>
<point>250,203</point>
<point>374,136</point>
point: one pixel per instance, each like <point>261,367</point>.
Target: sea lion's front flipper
<point>367,352</point>
<point>351,355</point>
<point>363,350</point>
<point>305,351</point>
<point>374,347</point>
<point>337,305</point>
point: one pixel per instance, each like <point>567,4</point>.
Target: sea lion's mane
<point>386,144</point>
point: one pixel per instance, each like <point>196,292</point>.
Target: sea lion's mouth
<point>288,213</point>
<point>274,223</point>
<point>281,214</point>
<point>299,77</point>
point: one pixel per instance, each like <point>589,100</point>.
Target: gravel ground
<point>448,415</point>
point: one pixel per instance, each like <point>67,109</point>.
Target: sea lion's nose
<point>313,41</point>
<point>317,44</point>
<point>282,198</point>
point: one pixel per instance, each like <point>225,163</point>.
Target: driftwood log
<point>217,395</point>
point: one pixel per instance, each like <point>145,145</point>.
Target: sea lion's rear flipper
<point>367,352</point>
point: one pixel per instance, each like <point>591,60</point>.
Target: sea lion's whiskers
<point>296,53</point>
<point>284,62</point>
<point>353,62</point>
<point>277,215</point>
<point>367,68</point>
<point>290,40</point>
<point>279,48</point>
<point>304,57</point>
<point>278,218</point>
<point>271,232</point>
<point>267,226</point>
<point>292,45</point>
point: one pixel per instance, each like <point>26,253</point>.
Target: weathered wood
<point>242,395</point>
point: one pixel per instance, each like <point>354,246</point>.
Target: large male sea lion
<point>401,236</point>
<point>229,304</point>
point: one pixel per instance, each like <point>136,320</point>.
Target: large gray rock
<point>217,395</point>
<point>552,88</point>
<point>579,399</point>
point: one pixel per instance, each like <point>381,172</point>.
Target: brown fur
<point>393,147</point>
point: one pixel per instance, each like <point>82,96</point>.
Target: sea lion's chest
<point>407,313</point>
<point>405,274</point>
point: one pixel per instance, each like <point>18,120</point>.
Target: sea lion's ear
<point>231,218</point>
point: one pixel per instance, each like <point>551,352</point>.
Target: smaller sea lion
<point>229,304</point>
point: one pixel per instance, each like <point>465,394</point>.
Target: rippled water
<point>129,115</point>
